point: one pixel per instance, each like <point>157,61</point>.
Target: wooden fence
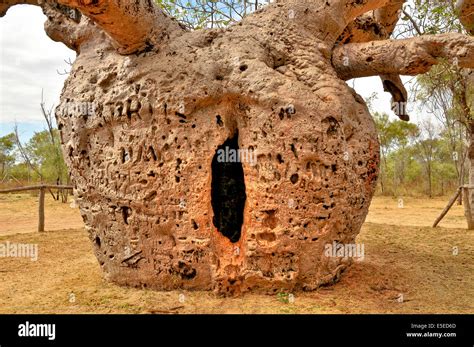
<point>42,188</point>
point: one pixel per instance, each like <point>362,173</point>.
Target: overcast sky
<point>29,61</point>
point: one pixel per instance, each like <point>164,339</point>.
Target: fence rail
<point>41,188</point>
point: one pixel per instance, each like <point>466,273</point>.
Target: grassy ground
<point>403,256</point>
<point>19,214</point>
<point>415,212</point>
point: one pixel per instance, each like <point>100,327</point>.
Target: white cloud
<point>29,61</point>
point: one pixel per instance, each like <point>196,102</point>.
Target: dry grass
<point>415,212</point>
<point>19,214</point>
<point>416,261</point>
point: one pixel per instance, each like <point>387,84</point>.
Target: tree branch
<point>134,26</point>
<point>393,84</point>
<point>403,57</point>
<point>374,26</point>
<point>355,8</point>
<point>413,22</point>
<point>69,26</point>
<point>466,14</point>
<point>6,4</point>
<point>389,15</point>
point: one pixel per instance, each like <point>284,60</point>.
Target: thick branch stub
<point>374,25</point>
<point>6,4</point>
<point>393,84</point>
<point>403,57</point>
<point>379,25</point>
<point>133,25</point>
<point>355,8</point>
<point>388,15</point>
<point>68,26</point>
<point>363,29</point>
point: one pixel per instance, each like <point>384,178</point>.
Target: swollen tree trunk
<point>161,206</point>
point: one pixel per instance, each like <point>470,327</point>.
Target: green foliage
<point>415,159</point>
<point>394,133</point>
<point>197,14</point>
<point>47,156</point>
<point>432,17</point>
<point>437,156</point>
<point>7,157</point>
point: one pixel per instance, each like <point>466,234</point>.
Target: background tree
<point>198,14</point>
<point>40,158</point>
<point>394,135</point>
<point>7,157</point>
<point>447,90</point>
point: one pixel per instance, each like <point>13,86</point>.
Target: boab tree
<point>162,207</point>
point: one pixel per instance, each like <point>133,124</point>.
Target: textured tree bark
<point>468,105</point>
<point>160,102</point>
<point>379,25</point>
<point>466,14</point>
<point>404,57</point>
<point>6,4</point>
<point>134,26</point>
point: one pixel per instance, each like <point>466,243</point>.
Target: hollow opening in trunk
<point>228,189</point>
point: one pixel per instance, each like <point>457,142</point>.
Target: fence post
<point>467,207</point>
<point>41,209</point>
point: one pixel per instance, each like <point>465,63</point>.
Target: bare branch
<point>413,22</point>
<point>403,57</point>
<point>24,153</point>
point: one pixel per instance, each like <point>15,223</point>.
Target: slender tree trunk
<point>469,207</point>
<point>430,189</point>
<point>461,179</point>
<point>383,173</point>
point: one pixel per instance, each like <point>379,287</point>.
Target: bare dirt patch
<point>413,261</point>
